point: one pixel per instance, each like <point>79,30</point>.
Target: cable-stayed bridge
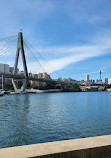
<point>7,49</point>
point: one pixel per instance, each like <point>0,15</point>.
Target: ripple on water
<point>36,118</point>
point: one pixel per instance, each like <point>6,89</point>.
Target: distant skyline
<point>74,36</point>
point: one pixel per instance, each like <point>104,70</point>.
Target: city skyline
<point>74,36</point>
<point>7,69</point>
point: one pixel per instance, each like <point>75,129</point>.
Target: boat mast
<point>2,83</point>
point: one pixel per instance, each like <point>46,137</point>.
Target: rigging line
<point>54,70</point>
<point>35,57</point>
<point>8,38</point>
<point>44,59</point>
<point>29,59</point>
<point>6,43</point>
<point>26,50</point>
<point>11,42</point>
<point>5,50</point>
<point>7,53</point>
<point>35,65</point>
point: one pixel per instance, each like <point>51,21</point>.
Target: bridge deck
<point>29,78</point>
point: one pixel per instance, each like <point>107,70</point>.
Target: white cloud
<point>61,56</point>
<point>64,56</point>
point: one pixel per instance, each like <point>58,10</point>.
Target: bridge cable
<point>43,59</point>
<point>34,56</point>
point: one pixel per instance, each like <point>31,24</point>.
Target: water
<point>36,118</point>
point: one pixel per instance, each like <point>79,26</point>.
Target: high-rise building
<point>109,81</point>
<point>106,80</point>
<point>4,68</point>
<point>87,77</point>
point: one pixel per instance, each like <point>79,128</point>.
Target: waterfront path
<point>92,147</point>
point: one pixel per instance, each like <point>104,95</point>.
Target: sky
<point>74,36</point>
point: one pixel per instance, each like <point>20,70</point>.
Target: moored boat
<point>34,91</point>
<point>1,93</point>
<point>108,89</point>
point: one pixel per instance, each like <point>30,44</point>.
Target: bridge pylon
<point>20,48</point>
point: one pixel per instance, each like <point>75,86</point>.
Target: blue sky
<point>74,36</point>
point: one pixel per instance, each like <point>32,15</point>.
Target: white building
<point>87,77</point>
<point>109,81</point>
<point>4,68</point>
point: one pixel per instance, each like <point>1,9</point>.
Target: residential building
<point>37,83</point>
<point>4,68</point>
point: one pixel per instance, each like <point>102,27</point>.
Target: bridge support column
<point>20,48</point>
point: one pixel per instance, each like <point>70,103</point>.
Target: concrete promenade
<point>92,147</point>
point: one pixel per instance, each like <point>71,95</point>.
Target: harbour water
<point>37,118</point>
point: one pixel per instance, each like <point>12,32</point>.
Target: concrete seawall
<point>92,147</point>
